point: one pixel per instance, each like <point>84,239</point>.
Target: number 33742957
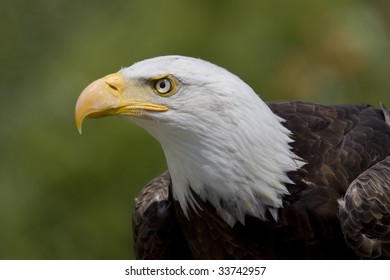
<point>241,270</point>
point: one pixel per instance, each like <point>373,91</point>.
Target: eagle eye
<point>164,86</point>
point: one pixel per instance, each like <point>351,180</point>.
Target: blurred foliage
<point>66,196</point>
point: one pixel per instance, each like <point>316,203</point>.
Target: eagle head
<point>220,140</point>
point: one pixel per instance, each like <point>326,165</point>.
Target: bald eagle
<point>248,179</point>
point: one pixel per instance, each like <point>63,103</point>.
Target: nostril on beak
<point>114,83</point>
<point>112,86</point>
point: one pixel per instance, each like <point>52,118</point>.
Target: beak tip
<point>79,124</point>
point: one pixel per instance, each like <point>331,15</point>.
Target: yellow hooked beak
<point>104,97</point>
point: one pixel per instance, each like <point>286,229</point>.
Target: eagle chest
<point>209,237</point>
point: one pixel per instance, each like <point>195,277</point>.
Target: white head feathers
<point>219,138</point>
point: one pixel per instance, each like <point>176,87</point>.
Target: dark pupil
<point>162,85</point>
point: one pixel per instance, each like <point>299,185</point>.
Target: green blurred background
<point>66,196</point>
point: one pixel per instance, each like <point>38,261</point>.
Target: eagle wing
<point>365,212</point>
<point>156,233</point>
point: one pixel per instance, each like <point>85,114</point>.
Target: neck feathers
<point>236,161</point>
